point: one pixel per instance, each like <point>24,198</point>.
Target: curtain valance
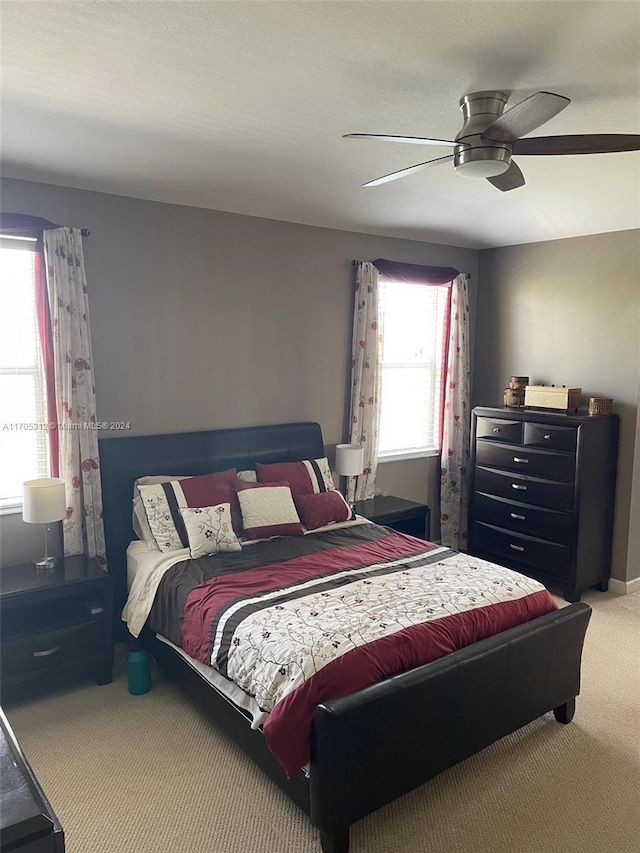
<point>23,225</point>
<point>415,273</point>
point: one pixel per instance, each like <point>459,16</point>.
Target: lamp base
<point>46,564</point>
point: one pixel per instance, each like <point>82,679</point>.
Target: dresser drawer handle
<point>516,547</point>
<point>547,437</point>
<point>521,459</point>
<point>46,652</point>
<point>496,429</point>
<point>517,517</point>
<point>519,488</point>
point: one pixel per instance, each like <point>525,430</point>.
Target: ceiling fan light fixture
<point>482,168</point>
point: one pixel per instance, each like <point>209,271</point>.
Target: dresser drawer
<point>536,463</point>
<point>40,651</point>
<point>499,430</point>
<point>521,518</point>
<point>553,437</point>
<point>549,558</point>
<point>528,490</point>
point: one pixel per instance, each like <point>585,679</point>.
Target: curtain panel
<point>75,392</point>
<point>455,425</point>
<point>62,312</point>
<point>366,377</point>
<point>454,404</point>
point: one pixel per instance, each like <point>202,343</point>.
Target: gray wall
<point>567,312</point>
<point>202,319</point>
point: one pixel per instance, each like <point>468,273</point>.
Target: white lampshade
<point>44,500</point>
<point>349,459</point>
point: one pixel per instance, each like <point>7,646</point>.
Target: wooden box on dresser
<point>541,494</point>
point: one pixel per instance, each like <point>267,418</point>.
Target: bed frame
<point>374,745</point>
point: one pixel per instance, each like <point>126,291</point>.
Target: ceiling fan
<point>489,136</point>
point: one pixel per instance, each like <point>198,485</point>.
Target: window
<point>412,317</point>
<point>24,446</point>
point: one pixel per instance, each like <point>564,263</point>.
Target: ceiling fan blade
<point>525,116</point>
<point>509,180</point>
<point>392,176</point>
<point>414,140</point>
<point>596,143</point>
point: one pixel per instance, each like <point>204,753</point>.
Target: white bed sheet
<point>224,686</point>
<point>136,552</point>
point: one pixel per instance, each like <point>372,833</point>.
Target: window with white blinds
<point>412,318</point>
<point>24,446</point>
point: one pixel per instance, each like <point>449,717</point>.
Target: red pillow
<point>318,510</point>
<point>305,478</point>
<point>268,510</point>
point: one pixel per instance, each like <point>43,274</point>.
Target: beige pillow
<point>210,530</point>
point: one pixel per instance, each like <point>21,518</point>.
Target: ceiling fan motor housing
<point>475,157</point>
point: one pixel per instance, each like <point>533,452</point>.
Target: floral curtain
<point>75,392</point>
<point>366,376</point>
<point>455,433</point>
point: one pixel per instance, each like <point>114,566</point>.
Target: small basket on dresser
<point>600,405</point>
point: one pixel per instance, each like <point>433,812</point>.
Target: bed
<point>370,746</point>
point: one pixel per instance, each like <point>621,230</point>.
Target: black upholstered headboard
<point>123,460</point>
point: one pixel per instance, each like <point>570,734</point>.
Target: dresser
<point>542,494</point>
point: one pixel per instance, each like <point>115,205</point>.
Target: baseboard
<point>624,587</point>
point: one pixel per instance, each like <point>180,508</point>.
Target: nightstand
<point>55,621</point>
<point>400,514</point>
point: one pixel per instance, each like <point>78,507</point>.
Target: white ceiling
<point>241,106</point>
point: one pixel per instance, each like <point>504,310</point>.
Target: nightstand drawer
<point>40,651</point>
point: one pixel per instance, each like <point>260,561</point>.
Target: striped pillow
<point>308,477</point>
<point>163,502</point>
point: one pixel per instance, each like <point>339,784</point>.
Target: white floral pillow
<point>209,530</point>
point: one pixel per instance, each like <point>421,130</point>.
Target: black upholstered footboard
<point>375,745</point>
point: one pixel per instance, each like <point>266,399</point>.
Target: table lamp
<point>349,460</point>
<point>44,501</point>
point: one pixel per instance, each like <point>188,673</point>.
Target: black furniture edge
<point>372,746</point>
<point>27,816</point>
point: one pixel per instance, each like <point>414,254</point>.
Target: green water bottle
<point>138,670</point>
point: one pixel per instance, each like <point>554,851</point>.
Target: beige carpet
<point>151,774</point>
